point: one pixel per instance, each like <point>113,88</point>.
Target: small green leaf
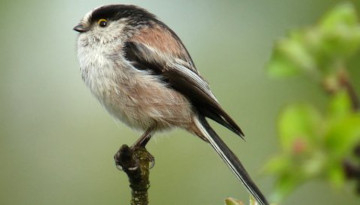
<point>313,164</point>
<point>298,122</point>
<point>342,14</point>
<point>342,135</point>
<point>281,66</point>
<point>340,105</point>
<point>285,185</point>
<point>232,201</point>
<point>290,57</point>
<point>341,32</point>
<point>278,164</point>
<point>294,48</point>
<point>335,173</point>
<point>253,201</point>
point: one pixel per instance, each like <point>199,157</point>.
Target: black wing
<point>176,73</point>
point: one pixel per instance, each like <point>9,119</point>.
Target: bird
<point>143,75</point>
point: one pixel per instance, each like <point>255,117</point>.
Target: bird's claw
<point>126,158</point>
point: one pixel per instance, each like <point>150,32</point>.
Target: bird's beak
<point>81,28</point>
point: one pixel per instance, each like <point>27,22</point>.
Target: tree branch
<point>351,169</point>
<point>344,81</point>
<point>134,161</point>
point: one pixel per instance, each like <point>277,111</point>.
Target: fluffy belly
<point>139,99</point>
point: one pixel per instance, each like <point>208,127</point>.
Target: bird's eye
<point>102,22</point>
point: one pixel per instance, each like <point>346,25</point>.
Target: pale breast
<point>137,98</point>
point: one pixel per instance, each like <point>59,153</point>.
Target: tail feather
<point>230,159</point>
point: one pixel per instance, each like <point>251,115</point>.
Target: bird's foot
<point>130,158</point>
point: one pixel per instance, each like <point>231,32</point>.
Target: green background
<point>57,143</point>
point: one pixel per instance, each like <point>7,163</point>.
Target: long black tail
<point>230,159</point>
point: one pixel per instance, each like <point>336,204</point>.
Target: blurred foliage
<point>318,50</point>
<point>318,143</point>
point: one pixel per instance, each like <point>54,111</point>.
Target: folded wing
<point>180,75</point>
